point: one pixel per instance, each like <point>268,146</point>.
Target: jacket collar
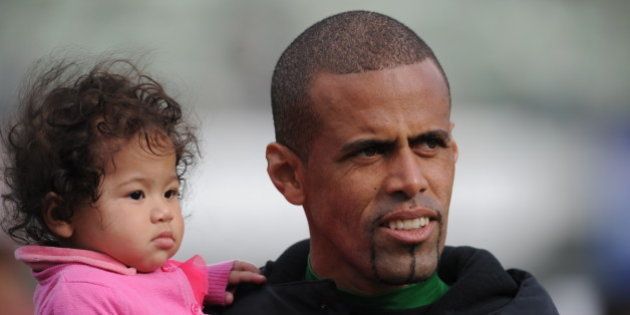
<point>40,258</point>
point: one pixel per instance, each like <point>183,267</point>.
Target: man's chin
<point>413,266</point>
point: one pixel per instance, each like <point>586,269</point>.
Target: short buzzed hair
<point>348,42</point>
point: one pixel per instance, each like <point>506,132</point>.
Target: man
<point>361,110</point>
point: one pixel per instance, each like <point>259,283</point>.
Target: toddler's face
<point>137,219</point>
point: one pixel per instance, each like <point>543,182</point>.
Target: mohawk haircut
<point>348,42</point>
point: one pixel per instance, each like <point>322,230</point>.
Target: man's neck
<point>399,298</point>
<point>346,278</point>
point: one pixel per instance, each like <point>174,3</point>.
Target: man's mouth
<point>408,224</point>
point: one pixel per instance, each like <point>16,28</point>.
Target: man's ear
<point>454,143</point>
<point>61,228</point>
<point>286,172</point>
<point>455,150</point>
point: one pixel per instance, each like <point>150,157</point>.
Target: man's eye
<point>136,195</point>
<point>371,151</point>
<point>434,143</point>
<point>173,193</point>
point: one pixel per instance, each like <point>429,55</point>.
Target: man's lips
<point>409,215</point>
<point>410,226</point>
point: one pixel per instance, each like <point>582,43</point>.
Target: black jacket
<point>478,285</point>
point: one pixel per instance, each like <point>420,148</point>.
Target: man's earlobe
<point>455,151</point>
<point>285,170</point>
<point>50,206</point>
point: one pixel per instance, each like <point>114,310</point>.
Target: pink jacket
<point>76,281</point>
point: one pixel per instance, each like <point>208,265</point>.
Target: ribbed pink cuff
<point>218,275</point>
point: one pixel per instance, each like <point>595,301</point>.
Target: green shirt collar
<point>411,296</point>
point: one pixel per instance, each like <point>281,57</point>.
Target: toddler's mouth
<point>164,240</point>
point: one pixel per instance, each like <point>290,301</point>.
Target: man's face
<point>379,176</point>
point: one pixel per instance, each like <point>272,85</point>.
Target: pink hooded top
<point>76,281</point>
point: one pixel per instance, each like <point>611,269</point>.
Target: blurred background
<point>541,104</point>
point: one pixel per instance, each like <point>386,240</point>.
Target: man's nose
<point>405,174</point>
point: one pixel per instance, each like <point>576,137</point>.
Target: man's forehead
<point>426,74</point>
<point>398,103</point>
<point>422,80</point>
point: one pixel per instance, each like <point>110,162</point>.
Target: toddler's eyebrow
<point>145,180</point>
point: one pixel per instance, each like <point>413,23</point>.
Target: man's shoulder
<point>285,285</point>
<point>478,285</point>
<point>290,265</point>
<point>478,281</point>
<point>531,295</point>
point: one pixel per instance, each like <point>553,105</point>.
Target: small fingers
<point>229,298</point>
<point>237,277</point>
<point>245,266</point>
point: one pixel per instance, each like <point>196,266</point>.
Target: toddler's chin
<point>148,266</point>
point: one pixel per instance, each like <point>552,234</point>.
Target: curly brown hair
<point>56,142</point>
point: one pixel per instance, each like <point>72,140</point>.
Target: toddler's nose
<point>161,212</point>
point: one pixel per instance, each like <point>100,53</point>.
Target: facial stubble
<point>413,264</point>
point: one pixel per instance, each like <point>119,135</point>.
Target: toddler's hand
<point>242,272</point>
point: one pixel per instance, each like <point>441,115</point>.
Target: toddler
<point>93,170</point>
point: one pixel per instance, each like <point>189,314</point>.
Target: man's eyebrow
<point>363,144</point>
<point>358,145</point>
<point>440,134</point>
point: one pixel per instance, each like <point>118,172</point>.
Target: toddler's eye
<point>173,193</point>
<point>136,195</point>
